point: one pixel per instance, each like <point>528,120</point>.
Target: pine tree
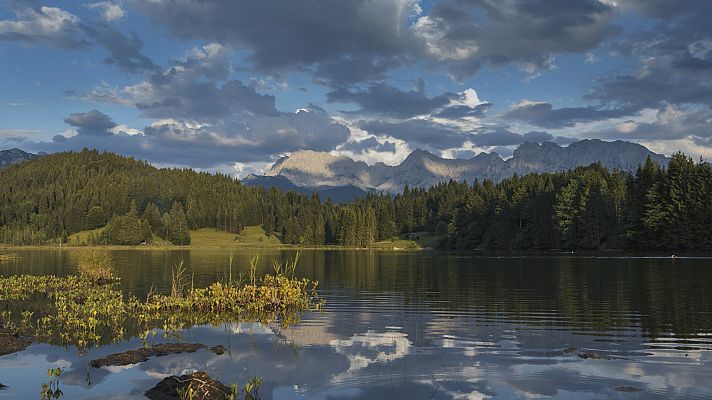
<point>179,232</point>
<point>96,218</point>
<point>153,217</point>
<point>565,212</point>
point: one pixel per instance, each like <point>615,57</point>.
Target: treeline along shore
<point>123,201</point>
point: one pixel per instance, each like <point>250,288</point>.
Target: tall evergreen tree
<point>179,232</point>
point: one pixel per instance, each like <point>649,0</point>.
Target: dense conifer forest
<point>45,200</point>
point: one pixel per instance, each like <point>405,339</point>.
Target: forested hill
<point>46,199</point>
<point>51,196</point>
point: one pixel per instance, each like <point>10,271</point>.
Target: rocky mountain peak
<point>424,169</point>
<point>13,156</point>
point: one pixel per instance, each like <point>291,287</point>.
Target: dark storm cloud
<point>455,112</point>
<point>659,82</point>
<point>203,146</point>
<point>60,28</point>
<point>287,34</point>
<point>205,121</point>
<point>675,77</point>
<point>124,50</point>
<point>544,115</point>
<point>680,20</point>
<point>381,98</point>
<point>470,33</point>
<point>386,100</point>
<point>666,9</point>
<point>369,144</point>
<point>670,124</point>
<point>203,99</point>
<point>347,41</point>
<point>353,47</point>
<point>538,137</point>
<point>501,137</point>
<point>442,137</point>
<point>698,61</point>
<point>349,69</point>
<point>497,137</point>
<point>92,123</point>
<point>192,89</point>
<point>676,54</point>
<point>463,153</point>
<point>245,140</point>
<point>424,132</point>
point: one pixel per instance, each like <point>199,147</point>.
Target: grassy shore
<point>425,240</point>
<point>252,237</point>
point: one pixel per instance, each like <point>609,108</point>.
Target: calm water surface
<point>424,325</point>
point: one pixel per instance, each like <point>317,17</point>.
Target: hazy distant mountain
<point>424,169</point>
<point>337,194</point>
<point>14,156</point>
<point>280,182</point>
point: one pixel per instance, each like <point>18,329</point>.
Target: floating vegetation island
<point>8,257</point>
<point>87,309</point>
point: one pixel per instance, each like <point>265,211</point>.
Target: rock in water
<point>12,343</point>
<point>144,353</point>
<point>199,383</point>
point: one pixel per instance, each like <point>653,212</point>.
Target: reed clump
<point>96,265</point>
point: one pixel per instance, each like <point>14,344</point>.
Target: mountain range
<point>309,170</point>
<point>343,179</point>
<point>14,156</point>
<point>337,194</point>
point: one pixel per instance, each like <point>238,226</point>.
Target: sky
<point>231,86</point>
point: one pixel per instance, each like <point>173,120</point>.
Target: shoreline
<point>608,253</point>
<point>208,247</point>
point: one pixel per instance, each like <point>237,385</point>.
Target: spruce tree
<point>179,232</point>
<point>96,218</point>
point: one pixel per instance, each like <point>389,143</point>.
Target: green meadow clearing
<point>250,237</point>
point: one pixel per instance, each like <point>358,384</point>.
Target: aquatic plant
<point>96,265</point>
<point>50,390</point>
<point>252,388</point>
<point>178,280</point>
<point>87,310</point>
<point>287,267</point>
<point>8,257</point>
<point>253,268</point>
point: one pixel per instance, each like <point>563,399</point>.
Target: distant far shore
<point>156,247</point>
<point>250,238</point>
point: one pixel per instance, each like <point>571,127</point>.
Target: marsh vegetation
<point>7,257</point>
<point>88,309</point>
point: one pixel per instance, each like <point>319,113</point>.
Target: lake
<point>419,325</point>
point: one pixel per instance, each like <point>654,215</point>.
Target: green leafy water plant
<point>50,390</point>
<point>89,310</point>
<point>252,388</point>
<point>8,257</point>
